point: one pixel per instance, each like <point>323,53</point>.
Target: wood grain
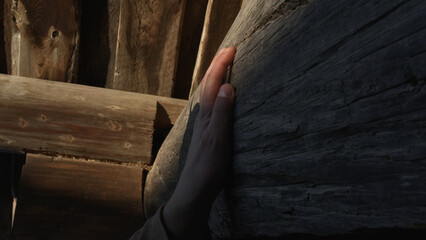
<point>42,38</point>
<point>330,130</point>
<point>62,198</point>
<point>147,46</point>
<point>76,120</point>
<point>219,17</point>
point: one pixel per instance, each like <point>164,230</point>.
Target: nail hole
<point>55,34</point>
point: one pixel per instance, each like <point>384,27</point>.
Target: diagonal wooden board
<point>81,121</point>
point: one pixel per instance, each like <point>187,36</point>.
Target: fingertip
<point>226,91</point>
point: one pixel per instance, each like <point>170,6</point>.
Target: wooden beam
<point>63,198</point>
<point>220,15</point>
<point>147,46</point>
<point>329,131</point>
<point>70,119</point>
<point>42,38</point>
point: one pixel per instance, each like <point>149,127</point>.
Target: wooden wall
<point>139,46</point>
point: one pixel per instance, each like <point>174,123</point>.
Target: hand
<point>187,212</point>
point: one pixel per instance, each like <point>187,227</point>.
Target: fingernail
<point>226,91</point>
<point>222,50</point>
<point>226,50</point>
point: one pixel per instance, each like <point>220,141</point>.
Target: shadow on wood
<point>330,130</point>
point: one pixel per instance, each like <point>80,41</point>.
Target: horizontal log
<point>63,198</point>
<point>81,121</point>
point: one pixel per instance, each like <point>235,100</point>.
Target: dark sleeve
<point>154,228</point>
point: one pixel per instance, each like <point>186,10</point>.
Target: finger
<point>214,79</point>
<point>222,114</point>
<point>203,81</point>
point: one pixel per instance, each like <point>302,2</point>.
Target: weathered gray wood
<point>63,198</point>
<point>81,121</point>
<point>42,38</point>
<point>330,130</point>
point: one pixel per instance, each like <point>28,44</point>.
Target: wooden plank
<point>330,130</point>
<point>42,38</point>
<point>76,120</point>
<point>147,47</point>
<point>99,26</point>
<point>219,17</point>
<point>190,41</point>
<point>63,198</point>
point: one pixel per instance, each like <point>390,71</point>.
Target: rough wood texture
<point>219,17</point>
<point>190,40</point>
<point>62,198</point>
<point>147,47</point>
<point>42,38</point>
<point>330,130</point>
<point>76,120</point>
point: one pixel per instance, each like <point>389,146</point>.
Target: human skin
<point>187,212</point>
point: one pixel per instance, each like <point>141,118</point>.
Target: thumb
<point>222,114</point>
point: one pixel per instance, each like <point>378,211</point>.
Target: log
<point>147,46</point>
<point>42,38</point>
<point>81,121</point>
<point>64,198</point>
<point>220,15</point>
<point>330,130</point>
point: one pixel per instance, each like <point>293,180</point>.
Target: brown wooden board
<point>147,46</point>
<point>219,17</point>
<point>329,131</point>
<point>63,198</point>
<point>70,119</point>
<point>42,38</point>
